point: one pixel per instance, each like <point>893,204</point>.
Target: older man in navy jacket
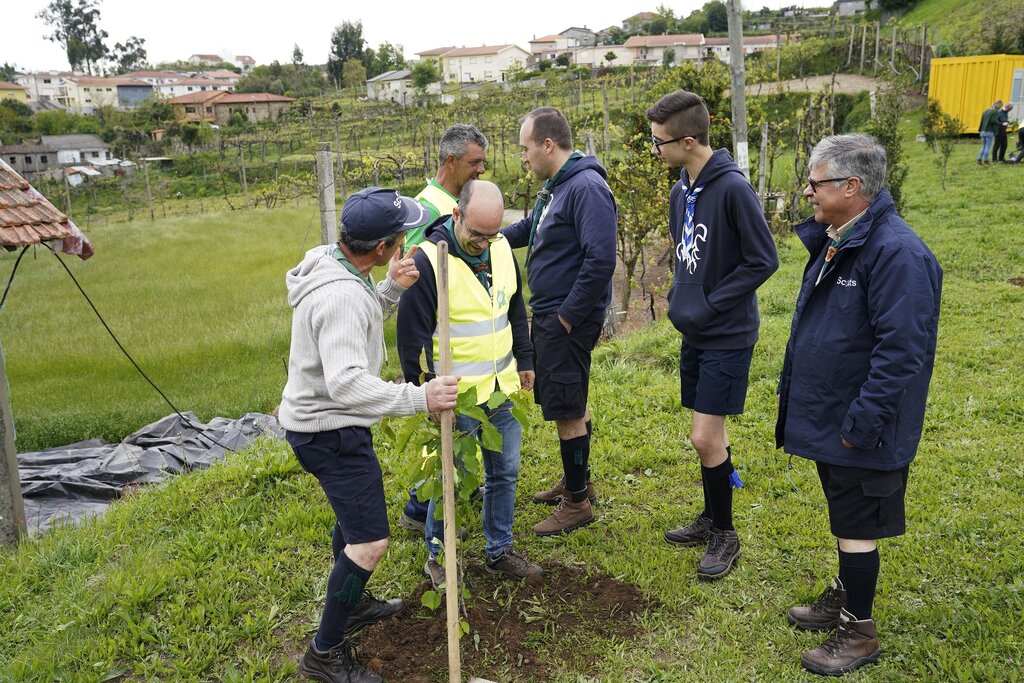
<point>855,379</point>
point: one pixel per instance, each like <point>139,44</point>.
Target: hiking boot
<point>435,572</point>
<point>336,666</point>
<point>417,526</point>
<point>854,644</point>
<point>557,492</point>
<point>695,534</point>
<point>824,613</point>
<point>514,565</point>
<point>722,552</point>
<point>369,611</point>
<point>567,517</point>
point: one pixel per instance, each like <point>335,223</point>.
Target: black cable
<point>10,281</point>
<point>132,360</point>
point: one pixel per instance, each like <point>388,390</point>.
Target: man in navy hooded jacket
<point>570,260</point>
<point>724,252</point>
<point>855,378</point>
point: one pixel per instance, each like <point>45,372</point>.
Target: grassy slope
<point>216,577</point>
<point>957,22</point>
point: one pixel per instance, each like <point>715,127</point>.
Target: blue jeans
<point>501,469</point>
<point>987,138</point>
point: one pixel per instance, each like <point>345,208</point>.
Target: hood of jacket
<point>317,268</point>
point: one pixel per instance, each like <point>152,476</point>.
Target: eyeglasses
<point>815,184</point>
<point>481,238</point>
<point>658,142</point>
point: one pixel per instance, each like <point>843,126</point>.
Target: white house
<point>156,77</point>
<point>849,8</point>
<point>395,86</point>
<point>596,55</point>
<point>205,60</point>
<point>652,49</point>
<point>43,85</point>
<point>188,85</point>
<point>719,47</point>
<point>245,63</point>
<point>75,149</point>
<point>487,63</point>
<point>549,47</point>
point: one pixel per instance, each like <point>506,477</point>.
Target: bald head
<point>483,200</point>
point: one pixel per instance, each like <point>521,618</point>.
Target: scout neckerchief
<point>544,196</point>
<point>480,265</point>
<point>690,197</point>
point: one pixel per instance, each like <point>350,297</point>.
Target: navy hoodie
<point>713,299</point>
<point>570,270</point>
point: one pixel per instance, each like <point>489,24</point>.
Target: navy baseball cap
<point>375,213</point>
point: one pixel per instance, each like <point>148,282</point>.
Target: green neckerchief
<point>544,196</point>
<point>340,257</point>
<point>480,265</point>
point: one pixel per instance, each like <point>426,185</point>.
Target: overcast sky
<point>178,29</point>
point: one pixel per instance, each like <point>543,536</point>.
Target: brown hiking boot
<point>554,494</point>
<point>854,644</point>
<point>824,613</point>
<point>722,552</point>
<point>513,564</point>
<point>566,517</point>
<point>696,533</point>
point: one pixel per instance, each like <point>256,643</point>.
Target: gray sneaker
<point>722,552</point>
<point>696,533</point>
<point>435,572</point>
<point>513,564</point>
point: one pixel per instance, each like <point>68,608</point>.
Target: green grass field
<point>218,576</point>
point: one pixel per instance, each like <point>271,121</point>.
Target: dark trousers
<point>999,148</point>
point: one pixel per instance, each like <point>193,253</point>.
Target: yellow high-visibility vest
<point>438,198</point>
<point>481,334</point>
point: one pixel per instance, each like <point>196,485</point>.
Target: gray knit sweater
<point>337,350</point>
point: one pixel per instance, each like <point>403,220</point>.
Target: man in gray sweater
<point>335,394</point>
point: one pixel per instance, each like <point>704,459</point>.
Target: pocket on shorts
<point>887,490</point>
<point>563,392</point>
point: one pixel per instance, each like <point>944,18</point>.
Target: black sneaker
<point>722,552</point>
<point>695,533</point>
<point>369,611</point>
<point>514,565</point>
<point>335,666</point>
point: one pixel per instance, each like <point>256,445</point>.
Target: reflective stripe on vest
<point>439,197</point>
<point>481,336</point>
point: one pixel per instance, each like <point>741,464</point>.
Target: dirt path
<point>845,83</point>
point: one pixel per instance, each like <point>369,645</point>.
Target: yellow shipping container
<point>967,86</point>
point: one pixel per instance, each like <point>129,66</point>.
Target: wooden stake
<point>325,184</point>
<point>149,192</point>
<point>739,92</point>
<point>451,565</point>
<point>12,508</point>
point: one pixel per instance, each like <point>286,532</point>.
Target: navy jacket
<point>862,345</point>
<point>417,315</point>
<point>574,250</point>
<point>713,299</point>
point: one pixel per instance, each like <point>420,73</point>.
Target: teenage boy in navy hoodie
<point>570,260</point>
<point>724,252</point>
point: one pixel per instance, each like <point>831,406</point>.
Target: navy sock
<point>344,591</point>
<point>719,489</point>
<point>590,435</point>
<point>575,453</point>
<point>707,502</point>
<point>859,574</point>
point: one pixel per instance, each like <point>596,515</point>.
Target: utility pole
<point>149,192</point>
<point>12,508</point>
<point>325,183</point>
<point>739,85</point>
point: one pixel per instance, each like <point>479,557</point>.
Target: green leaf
<point>431,600</point>
<point>496,399</point>
<point>491,437</point>
<point>463,628</point>
<point>475,412</point>
<point>466,399</point>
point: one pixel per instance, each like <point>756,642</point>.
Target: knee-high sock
<point>719,490</point>
<point>590,436</point>
<point>344,591</point>
<point>575,453</point>
<point>859,574</point>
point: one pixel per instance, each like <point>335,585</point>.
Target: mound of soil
<point>518,631</point>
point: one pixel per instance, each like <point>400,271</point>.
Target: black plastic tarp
<point>72,482</point>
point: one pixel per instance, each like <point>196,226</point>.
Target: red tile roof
<point>198,96</point>
<point>26,217</point>
<point>437,51</point>
<point>4,85</point>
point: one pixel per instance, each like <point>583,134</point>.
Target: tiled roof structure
<point>27,218</point>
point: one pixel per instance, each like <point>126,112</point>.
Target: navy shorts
<point>561,361</point>
<point>712,381</point>
<point>344,463</point>
<point>864,504</point>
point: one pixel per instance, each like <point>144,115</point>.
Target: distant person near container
<point>490,351</point>
<point>723,251</point>
<point>461,155</point>
<point>570,241</point>
<point>1001,141</point>
<point>987,130</point>
<point>854,382</point>
<point>333,396</point>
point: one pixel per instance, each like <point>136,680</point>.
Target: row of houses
<point>491,63</point>
<point>57,151</point>
<point>217,107</point>
<point>87,94</point>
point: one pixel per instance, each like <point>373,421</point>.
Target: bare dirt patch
<point>518,630</point>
